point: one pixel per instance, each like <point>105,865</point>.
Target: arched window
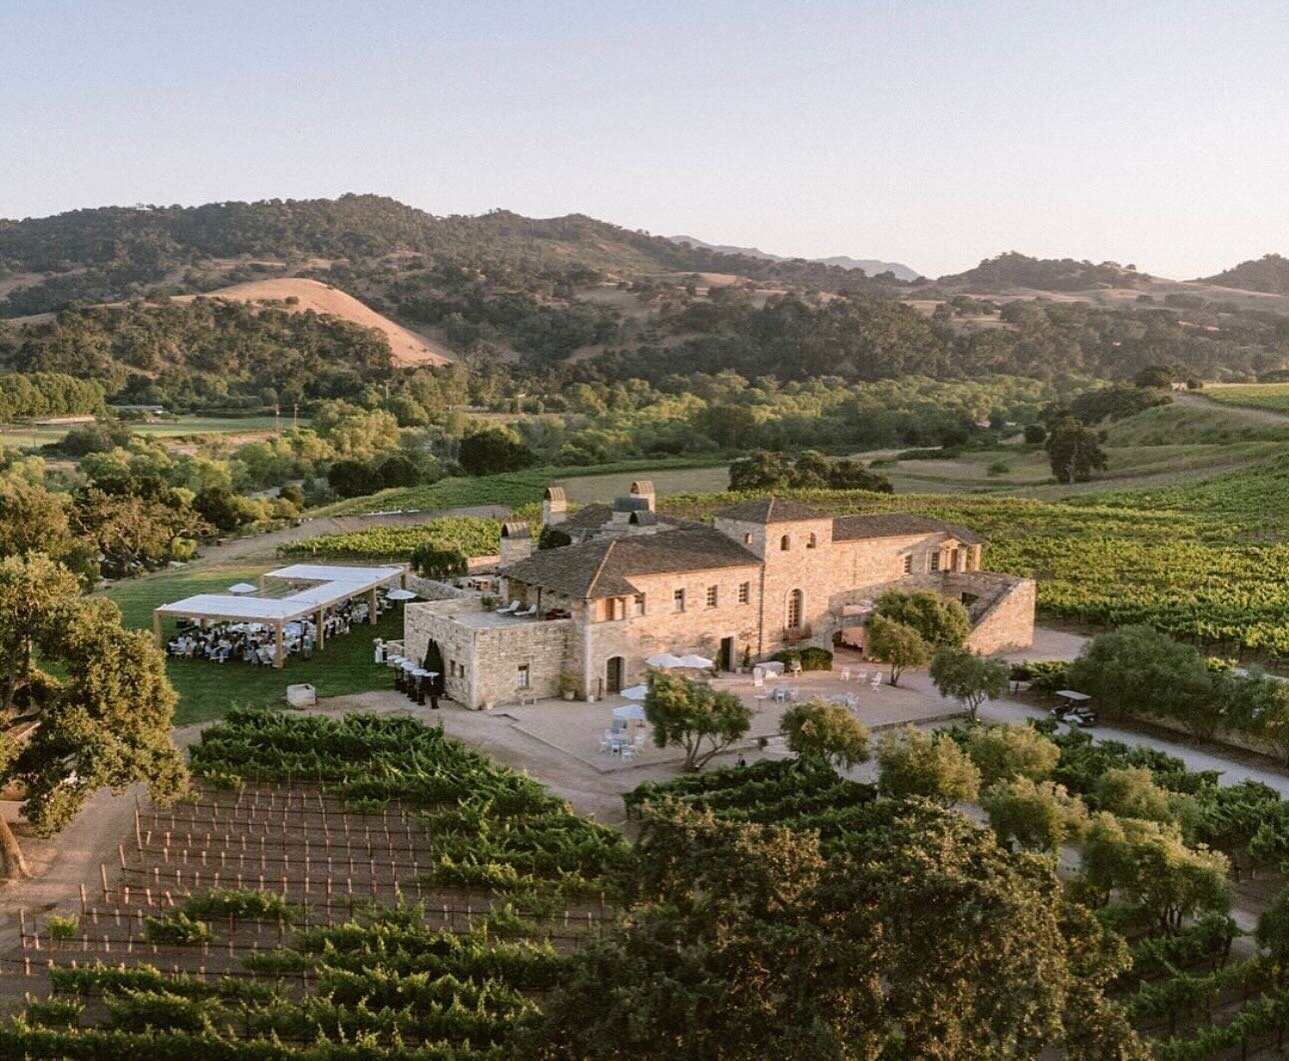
<point>785,543</point>
<point>747,538</point>
<point>796,600</point>
<point>812,541</point>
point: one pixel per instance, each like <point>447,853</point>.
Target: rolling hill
<point>297,295</point>
<point>1268,274</point>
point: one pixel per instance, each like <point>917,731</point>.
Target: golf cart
<point>1073,709</point>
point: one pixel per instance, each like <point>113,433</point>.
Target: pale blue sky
<point>931,133</point>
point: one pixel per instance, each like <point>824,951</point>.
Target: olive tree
<point>1151,867</point>
<point>897,645</point>
<point>1006,751</point>
<point>825,732</point>
<point>968,678</point>
<point>694,716</point>
<point>940,621</point>
<point>931,765</point>
<point>1037,815</point>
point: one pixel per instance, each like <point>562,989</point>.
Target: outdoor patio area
<point>578,729</point>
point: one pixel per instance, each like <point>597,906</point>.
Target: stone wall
<point>699,628</point>
<point>431,589</point>
<point>1008,623</point>
<point>481,662</point>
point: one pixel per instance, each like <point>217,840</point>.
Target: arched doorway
<point>796,605</point>
<point>613,671</point>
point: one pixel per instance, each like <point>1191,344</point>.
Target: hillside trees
<point>104,722</point>
<point>492,451</point>
<point>811,470</point>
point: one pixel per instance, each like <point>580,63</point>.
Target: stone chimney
<point>554,506</point>
<point>516,543</point>
<point>625,507</point>
<point>643,488</point>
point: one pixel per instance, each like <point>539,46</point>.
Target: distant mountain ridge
<point>108,254</point>
<point>871,266</point>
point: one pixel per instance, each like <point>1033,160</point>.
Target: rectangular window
<point>935,561</point>
<point>908,564</point>
<point>678,601</point>
<point>744,592</point>
<point>521,680</point>
<point>713,596</point>
<point>638,605</point>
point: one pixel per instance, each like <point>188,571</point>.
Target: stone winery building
<point>763,576</point>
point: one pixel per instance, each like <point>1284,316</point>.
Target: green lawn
<point>207,690</point>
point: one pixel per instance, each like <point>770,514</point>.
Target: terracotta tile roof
<point>768,510</point>
<point>603,567</point>
<point>898,524</point>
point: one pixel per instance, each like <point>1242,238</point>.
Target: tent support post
<point>279,659</point>
<point>156,628</point>
<point>371,607</point>
<point>322,636</point>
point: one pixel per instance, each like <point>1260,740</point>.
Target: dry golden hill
<point>408,347</point>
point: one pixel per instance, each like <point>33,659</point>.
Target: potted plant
<point>568,685</point>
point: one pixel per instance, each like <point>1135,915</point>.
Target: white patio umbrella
<point>401,594</point>
<point>696,662</point>
<point>242,587</point>
<point>666,660</point>
<point>630,712</point>
<point>635,692</point>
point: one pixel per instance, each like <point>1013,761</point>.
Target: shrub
<point>226,902</point>
<point>810,658</point>
<point>54,1013</point>
<point>62,927</point>
<point>999,468</point>
<point>431,560</point>
<point>177,927</point>
<point>1046,676</point>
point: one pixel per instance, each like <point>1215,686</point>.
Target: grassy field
<point>207,690</point>
<point>1192,424</point>
<point>21,436</point>
<point>1028,473</point>
<point>1271,396</point>
<point>520,488</point>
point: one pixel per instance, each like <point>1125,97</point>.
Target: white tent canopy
<point>328,585</point>
<point>696,662</point>
<point>242,587</point>
<point>666,660</point>
<point>635,692</point>
<point>630,712</point>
